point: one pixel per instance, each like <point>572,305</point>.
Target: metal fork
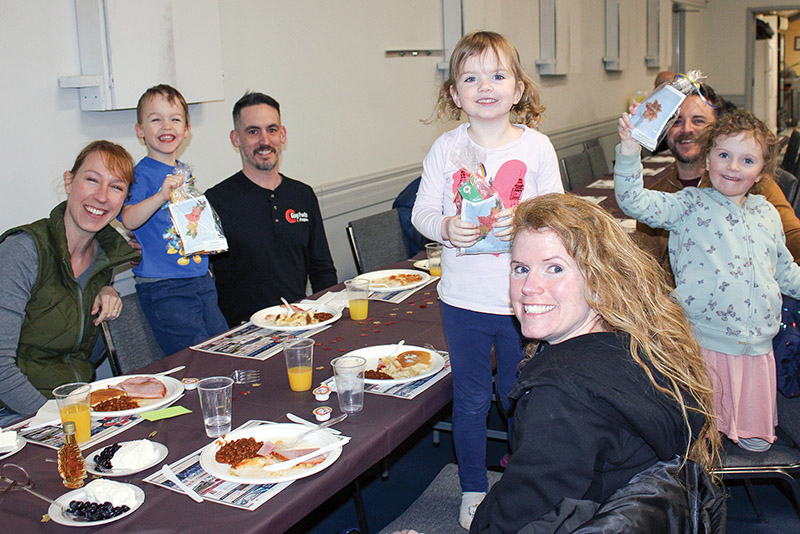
<point>246,376</point>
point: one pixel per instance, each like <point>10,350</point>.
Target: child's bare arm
<point>135,215</point>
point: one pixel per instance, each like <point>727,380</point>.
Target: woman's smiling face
<point>547,289</point>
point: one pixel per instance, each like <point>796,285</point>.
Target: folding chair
<point>129,339</point>
<point>597,161</point>
<point>578,170</point>
<point>780,462</point>
<point>790,157</point>
<point>377,240</point>
<point>788,184</point>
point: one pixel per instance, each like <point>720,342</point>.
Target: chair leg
<point>795,492</point>
<point>751,494</point>
<point>437,438</point>
<point>361,512</point>
<point>385,469</point>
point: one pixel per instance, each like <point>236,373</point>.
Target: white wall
<point>350,112</point>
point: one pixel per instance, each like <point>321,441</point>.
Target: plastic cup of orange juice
<point>300,363</point>
<point>73,405</point>
<point>434,251</point>
<point>357,298</point>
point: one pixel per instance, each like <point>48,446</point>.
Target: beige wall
<point>349,111</point>
<point>725,42</point>
<point>792,56</point>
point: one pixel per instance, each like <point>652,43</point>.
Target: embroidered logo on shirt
<point>296,216</point>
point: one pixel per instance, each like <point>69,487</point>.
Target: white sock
<point>754,444</point>
<point>469,503</point>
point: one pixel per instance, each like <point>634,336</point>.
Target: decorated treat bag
<point>655,115</point>
<point>196,222</point>
<point>479,203</point>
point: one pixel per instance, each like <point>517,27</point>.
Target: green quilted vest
<point>58,333</point>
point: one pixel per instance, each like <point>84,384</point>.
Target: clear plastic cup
<point>358,298</point>
<point>73,402</point>
<point>300,363</point>
<point>349,375</point>
<point>216,399</point>
<point>434,251</point>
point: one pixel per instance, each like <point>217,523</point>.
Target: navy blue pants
<point>470,337</point>
<point>181,311</point>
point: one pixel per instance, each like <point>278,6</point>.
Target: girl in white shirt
<point>486,82</point>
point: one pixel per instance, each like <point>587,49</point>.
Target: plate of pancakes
<point>409,364</point>
<point>133,394</point>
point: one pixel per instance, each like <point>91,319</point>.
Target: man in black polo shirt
<point>272,223</point>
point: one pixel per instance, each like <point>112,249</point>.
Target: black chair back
<point>130,340</point>
<point>788,184</point>
<point>577,170</point>
<point>790,157</point>
<point>377,240</point>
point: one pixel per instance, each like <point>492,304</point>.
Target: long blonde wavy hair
<point>527,111</point>
<point>629,291</point>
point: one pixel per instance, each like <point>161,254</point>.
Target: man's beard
<point>679,156</point>
<point>265,166</point>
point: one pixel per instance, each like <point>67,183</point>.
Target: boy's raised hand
<point>171,182</point>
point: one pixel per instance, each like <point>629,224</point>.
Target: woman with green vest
<point>54,282</point>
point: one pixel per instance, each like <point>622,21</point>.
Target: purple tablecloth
<point>384,423</point>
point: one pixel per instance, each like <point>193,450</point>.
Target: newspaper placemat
<point>244,496</point>
<point>397,297</point>
<point>605,183</point>
<point>251,341</point>
<point>53,436</point>
<point>651,172</point>
<point>595,199</point>
<point>407,390</point>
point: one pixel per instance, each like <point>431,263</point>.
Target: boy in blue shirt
<point>176,292</point>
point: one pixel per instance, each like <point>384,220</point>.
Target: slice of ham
<point>266,448</point>
<point>143,387</point>
<point>297,453</point>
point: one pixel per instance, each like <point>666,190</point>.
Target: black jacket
<point>587,419</point>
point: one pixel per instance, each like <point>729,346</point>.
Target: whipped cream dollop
<point>134,455</point>
<point>102,490</point>
<point>8,440</point>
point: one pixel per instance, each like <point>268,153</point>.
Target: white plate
<point>273,433</point>
<point>174,390</point>
<point>259,317</point>
<point>372,354</point>
<point>57,515</point>
<point>422,264</point>
<point>160,449</point>
<point>15,449</point>
<point>377,275</point>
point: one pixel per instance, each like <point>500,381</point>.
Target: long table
<point>376,431</point>
<point>656,168</point>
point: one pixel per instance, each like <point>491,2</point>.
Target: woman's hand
<point>107,305</point>
<point>502,226</point>
<point>627,144</point>
<point>459,233</point>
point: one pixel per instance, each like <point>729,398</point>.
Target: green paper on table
<point>166,413</point>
